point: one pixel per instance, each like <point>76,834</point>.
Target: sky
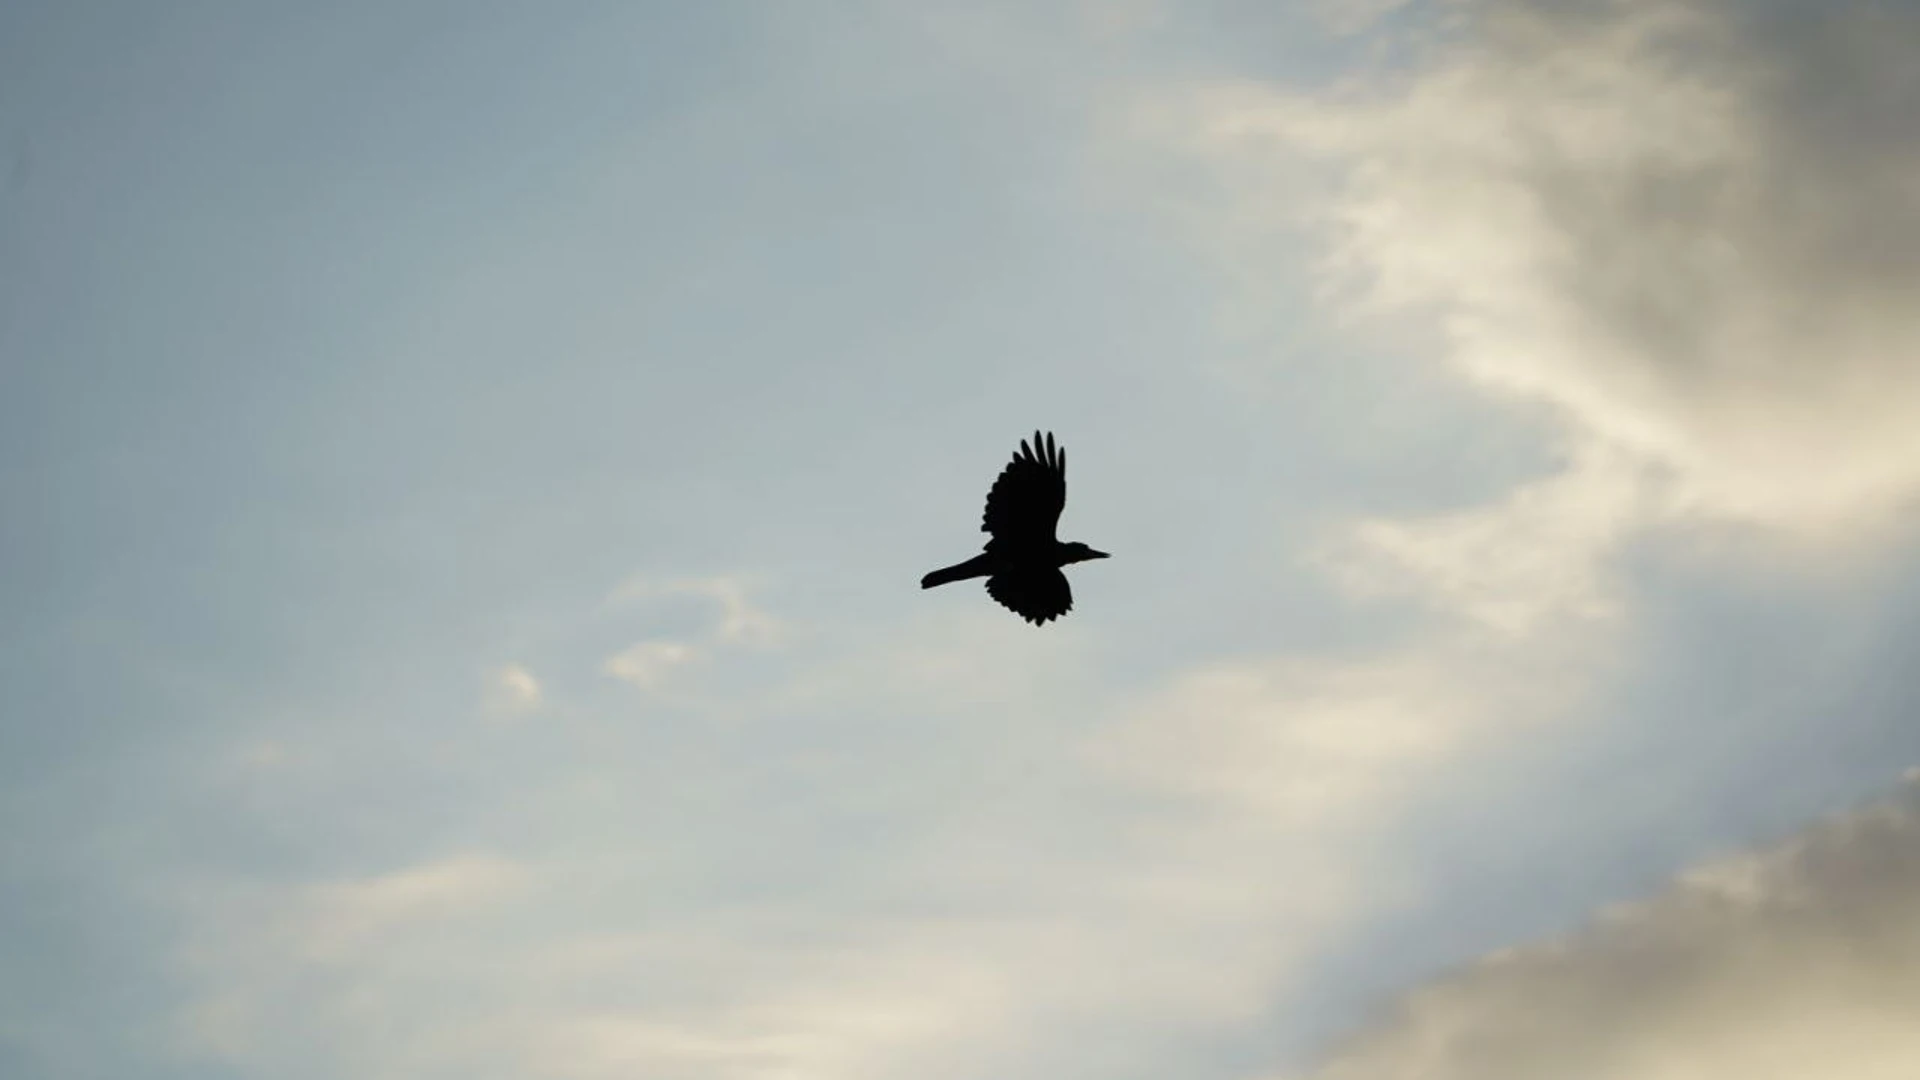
<point>467,467</point>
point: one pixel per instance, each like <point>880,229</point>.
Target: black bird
<point>1022,562</point>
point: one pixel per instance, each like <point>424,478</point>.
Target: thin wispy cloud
<point>1323,746</point>
<point>1540,554</point>
<point>260,952</point>
<point>646,664</point>
<point>741,621</point>
<point>512,690</point>
<point>727,620</point>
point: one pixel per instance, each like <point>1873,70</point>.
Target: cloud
<point>1689,228</point>
<point>1352,16</point>
<point>1796,962</point>
<point>1537,555</point>
<point>733,619</point>
<point>741,622</point>
<point>646,664</point>
<point>971,871</point>
<point>266,952</point>
<point>1325,745</point>
<point>332,917</point>
<point>1686,233</point>
<point>512,689</point>
<point>730,621</point>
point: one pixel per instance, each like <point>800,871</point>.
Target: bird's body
<point>1022,560</point>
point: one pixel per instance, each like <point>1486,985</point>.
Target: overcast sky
<point>466,468</point>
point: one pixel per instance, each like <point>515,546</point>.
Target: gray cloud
<point>1689,226</point>
<point>1689,229</point>
<point>1800,961</point>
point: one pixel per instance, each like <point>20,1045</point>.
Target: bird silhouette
<point>1022,560</point>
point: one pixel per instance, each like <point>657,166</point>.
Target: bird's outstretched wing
<point>1034,595</point>
<point>1026,500</point>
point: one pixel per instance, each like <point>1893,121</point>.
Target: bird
<point>1022,560</point>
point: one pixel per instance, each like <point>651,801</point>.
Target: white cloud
<point>1327,746</point>
<point>1120,887</point>
<point>1538,554</point>
<point>512,689</point>
<point>265,953</point>
<point>1802,961</point>
<point>494,971</point>
<point>646,664</point>
<point>741,623</point>
<point>1689,227</point>
<point>732,621</point>
<point>337,916</point>
<point>735,619</point>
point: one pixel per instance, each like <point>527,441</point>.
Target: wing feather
<point>1036,596</point>
<point>1025,502</point>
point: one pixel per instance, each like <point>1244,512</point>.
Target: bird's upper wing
<point>1026,500</point>
<point>1034,595</point>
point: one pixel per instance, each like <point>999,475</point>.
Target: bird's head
<point>1079,552</point>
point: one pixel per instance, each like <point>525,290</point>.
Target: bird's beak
<point>1092,554</point>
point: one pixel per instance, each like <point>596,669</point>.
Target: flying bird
<point>1022,561</point>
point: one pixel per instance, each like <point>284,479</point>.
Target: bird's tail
<point>974,567</point>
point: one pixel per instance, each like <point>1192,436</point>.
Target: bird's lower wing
<point>1035,597</point>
